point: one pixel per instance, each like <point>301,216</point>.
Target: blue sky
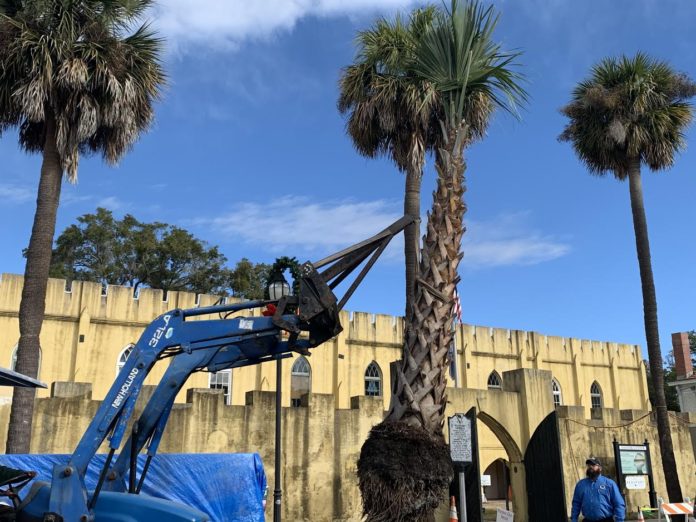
<point>249,152</point>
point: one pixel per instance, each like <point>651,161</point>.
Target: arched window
<point>123,357</point>
<point>557,395</point>
<point>300,380</point>
<point>373,380</point>
<point>494,381</point>
<point>13,360</point>
<point>222,380</point>
<point>596,395</point>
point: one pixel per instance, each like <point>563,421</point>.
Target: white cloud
<point>111,203</point>
<point>296,224</point>
<point>233,21</point>
<point>509,240</point>
<point>73,197</point>
<point>15,194</point>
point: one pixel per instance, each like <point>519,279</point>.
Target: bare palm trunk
<point>652,335</point>
<point>394,484</point>
<point>411,241</point>
<point>32,306</point>
<point>419,394</point>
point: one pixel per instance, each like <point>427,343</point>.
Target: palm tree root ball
<point>404,473</point>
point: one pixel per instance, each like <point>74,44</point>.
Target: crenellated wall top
<point>121,304</point>
<point>112,303</point>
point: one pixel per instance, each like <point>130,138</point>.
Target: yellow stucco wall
<point>108,323</point>
<point>321,443</point>
<point>85,332</point>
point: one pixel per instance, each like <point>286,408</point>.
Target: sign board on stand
<point>460,439</point>
<point>460,451</point>
<point>485,480</point>
<point>504,516</point>
<point>634,468</point>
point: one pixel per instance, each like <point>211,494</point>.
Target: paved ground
<point>490,508</point>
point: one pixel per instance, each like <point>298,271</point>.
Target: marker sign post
<point>461,452</point>
<point>634,467</point>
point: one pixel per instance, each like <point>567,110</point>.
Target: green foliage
<point>388,112</point>
<point>249,280</point>
<point>438,66</point>
<point>629,108</point>
<point>127,252</point>
<point>79,64</point>
<point>670,375</point>
<point>466,68</point>
<point>290,264</point>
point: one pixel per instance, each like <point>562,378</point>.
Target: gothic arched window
<point>557,395</point>
<point>596,395</point>
<point>373,380</point>
<point>494,381</point>
<point>300,380</point>
<point>123,357</point>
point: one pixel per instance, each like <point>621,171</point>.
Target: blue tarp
<point>229,487</point>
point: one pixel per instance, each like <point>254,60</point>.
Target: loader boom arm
<point>309,318</point>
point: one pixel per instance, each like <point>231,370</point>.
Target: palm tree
<point>75,78</point>
<point>629,112</point>
<point>469,75</point>
<point>389,113</point>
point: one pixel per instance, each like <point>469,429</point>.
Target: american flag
<point>457,307</point>
<point>457,318</point>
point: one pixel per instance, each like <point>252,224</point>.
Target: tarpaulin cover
<point>229,487</point>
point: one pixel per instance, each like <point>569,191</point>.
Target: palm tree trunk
<point>32,306</point>
<point>652,335</point>
<point>394,485</point>
<point>419,394</point>
<point>411,242</point>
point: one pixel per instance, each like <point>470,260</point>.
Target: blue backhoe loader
<point>212,342</point>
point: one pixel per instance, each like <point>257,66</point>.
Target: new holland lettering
<point>124,389</point>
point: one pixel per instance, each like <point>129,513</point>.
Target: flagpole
<point>454,354</point>
<point>456,317</point>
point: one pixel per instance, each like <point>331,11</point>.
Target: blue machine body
<point>116,507</point>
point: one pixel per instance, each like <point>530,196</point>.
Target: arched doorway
<point>512,496</point>
<point>498,492</point>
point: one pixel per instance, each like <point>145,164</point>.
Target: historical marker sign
<point>460,439</point>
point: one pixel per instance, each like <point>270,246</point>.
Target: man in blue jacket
<point>597,497</point>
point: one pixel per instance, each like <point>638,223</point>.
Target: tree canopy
<point>128,252</point>
<point>629,107</point>
<point>79,68</point>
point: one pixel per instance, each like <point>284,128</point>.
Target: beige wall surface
<point>85,332</point>
<point>321,443</point>
<point>581,436</point>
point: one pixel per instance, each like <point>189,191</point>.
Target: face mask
<point>591,473</point>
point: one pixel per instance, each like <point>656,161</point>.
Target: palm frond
<point>386,106</point>
<point>629,107</point>
<point>87,63</point>
<point>460,58</point>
